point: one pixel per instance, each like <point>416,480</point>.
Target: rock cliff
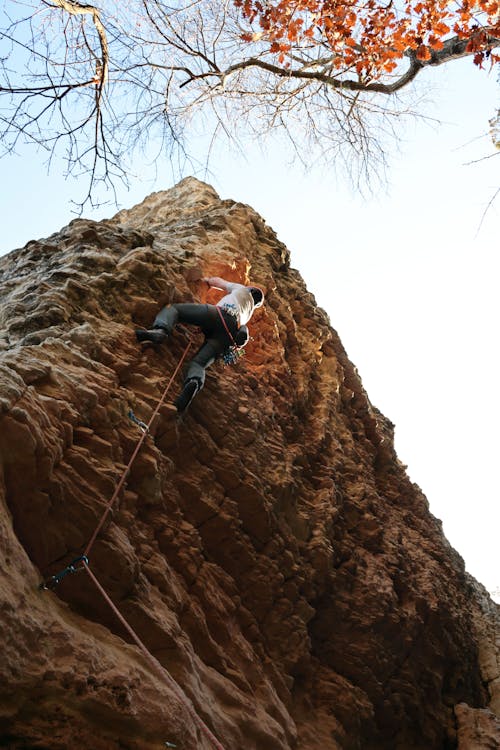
<point>268,548</point>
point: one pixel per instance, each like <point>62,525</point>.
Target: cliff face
<point>268,548</point>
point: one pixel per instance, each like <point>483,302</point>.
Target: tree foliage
<point>369,39</point>
<point>96,82</point>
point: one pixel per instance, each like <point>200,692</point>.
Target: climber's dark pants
<point>208,319</point>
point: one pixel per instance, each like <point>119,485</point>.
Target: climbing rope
<point>157,665</point>
<point>145,431</point>
<point>82,563</point>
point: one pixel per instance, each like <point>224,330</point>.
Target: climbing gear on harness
<point>54,580</point>
<point>231,355</point>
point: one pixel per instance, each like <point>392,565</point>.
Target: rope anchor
<point>54,580</point>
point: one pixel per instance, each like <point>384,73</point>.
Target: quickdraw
<point>56,579</point>
<point>138,422</point>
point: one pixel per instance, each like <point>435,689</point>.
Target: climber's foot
<point>154,336</point>
<point>191,388</point>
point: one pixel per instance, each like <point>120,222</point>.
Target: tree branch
<point>453,49</point>
<point>102,67</point>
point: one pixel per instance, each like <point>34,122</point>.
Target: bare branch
<point>102,67</point>
<point>101,82</point>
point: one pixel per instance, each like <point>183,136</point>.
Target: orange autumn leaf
<point>423,52</point>
<point>435,43</point>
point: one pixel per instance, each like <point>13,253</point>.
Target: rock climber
<point>223,324</point>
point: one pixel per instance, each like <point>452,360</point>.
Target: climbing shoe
<point>191,388</point>
<point>155,336</point>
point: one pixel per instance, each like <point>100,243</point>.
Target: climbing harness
<point>232,354</point>
<point>82,563</point>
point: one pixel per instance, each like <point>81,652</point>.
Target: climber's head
<point>257,294</point>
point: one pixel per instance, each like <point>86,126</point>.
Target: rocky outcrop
<point>268,549</point>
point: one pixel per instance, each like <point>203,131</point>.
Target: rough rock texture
<point>269,549</point>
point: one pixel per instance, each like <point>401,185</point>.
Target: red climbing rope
<point>83,562</point>
<point>221,316</point>
<point>120,484</point>
<point>157,665</point>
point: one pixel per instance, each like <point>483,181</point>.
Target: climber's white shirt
<point>238,298</point>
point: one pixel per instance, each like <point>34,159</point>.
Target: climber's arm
<point>218,283</point>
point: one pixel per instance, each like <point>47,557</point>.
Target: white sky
<point>408,282</point>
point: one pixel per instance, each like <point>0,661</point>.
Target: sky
<point>408,276</point>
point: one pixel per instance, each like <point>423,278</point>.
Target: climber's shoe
<point>155,336</point>
<point>191,388</point>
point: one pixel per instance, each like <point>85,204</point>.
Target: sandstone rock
<point>478,728</point>
<point>268,549</point>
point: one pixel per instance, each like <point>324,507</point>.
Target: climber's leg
<point>204,316</point>
<point>195,373</point>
